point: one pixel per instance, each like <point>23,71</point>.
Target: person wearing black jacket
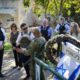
<point>2,40</point>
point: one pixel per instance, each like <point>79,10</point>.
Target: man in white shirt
<point>23,40</point>
<point>62,28</point>
<point>24,33</point>
<point>46,30</point>
<point>2,40</point>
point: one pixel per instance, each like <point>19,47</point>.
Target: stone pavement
<point>12,74</point>
<point>15,74</point>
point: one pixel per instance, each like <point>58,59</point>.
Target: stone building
<point>10,12</point>
<point>13,11</point>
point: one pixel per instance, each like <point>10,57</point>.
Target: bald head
<point>45,22</point>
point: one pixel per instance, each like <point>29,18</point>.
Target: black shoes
<point>14,67</point>
<point>19,68</point>
<point>1,75</point>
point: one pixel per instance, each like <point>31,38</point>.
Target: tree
<point>56,7</point>
<point>26,3</point>
<point>44,4</point>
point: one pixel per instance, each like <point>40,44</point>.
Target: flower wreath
<point>53,46</point>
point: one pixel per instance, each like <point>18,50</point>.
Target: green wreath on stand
<point>54,46</point>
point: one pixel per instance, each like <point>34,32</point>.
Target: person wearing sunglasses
<point>23,41</point>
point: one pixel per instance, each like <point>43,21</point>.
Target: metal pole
<point>41,63</point>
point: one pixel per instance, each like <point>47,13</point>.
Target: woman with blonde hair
<point>75,30</point>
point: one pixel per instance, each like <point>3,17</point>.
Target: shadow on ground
<point>15,74</point>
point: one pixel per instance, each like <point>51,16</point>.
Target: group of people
<point>26,42</point>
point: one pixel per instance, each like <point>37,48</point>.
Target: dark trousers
<point>18,61</point>
<point>27,69</point>
<point>25,64</point>
<point>1,58</point>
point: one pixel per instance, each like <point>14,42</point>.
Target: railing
<point>46,66</point>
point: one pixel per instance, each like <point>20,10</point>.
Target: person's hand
<point>19,50</point>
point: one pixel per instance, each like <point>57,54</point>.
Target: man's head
<point>68,19</point>
<point>45,22</point>
<point>36,33</point>
<point>23,27</point>
<point>62,20</point>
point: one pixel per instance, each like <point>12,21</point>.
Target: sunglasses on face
<point>24,28</point>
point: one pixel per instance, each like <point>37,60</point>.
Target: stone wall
<point>9,12</point>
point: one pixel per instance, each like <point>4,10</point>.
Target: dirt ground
<point>15,74</point>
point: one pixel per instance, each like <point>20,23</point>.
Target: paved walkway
<point>15,74</point>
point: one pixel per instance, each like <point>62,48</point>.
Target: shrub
<point>7,46</point>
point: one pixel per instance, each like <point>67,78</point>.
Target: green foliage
<point>44,4</point>
<point>72,7</point>
<point>7,46</point>
<point>26,2</point>
<point>56,7</point>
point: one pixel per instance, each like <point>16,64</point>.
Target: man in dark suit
<point>2,40</point>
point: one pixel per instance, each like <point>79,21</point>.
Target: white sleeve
<point>18,39</point>
<point>31,36</point>
<point>67,28</point>
<point>4,34</point>
<point>39,28</point>
<point>57,28</point>
<point>50,31</point>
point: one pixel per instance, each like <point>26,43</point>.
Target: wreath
<point>54,45</point>
<point>24,42</point>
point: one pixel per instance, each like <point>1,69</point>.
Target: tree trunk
<point>45,12</point>
<point>56,8</point>
<point>45,7</point>
<point>61,7</point>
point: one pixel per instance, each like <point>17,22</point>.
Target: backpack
<point>2,37</point>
